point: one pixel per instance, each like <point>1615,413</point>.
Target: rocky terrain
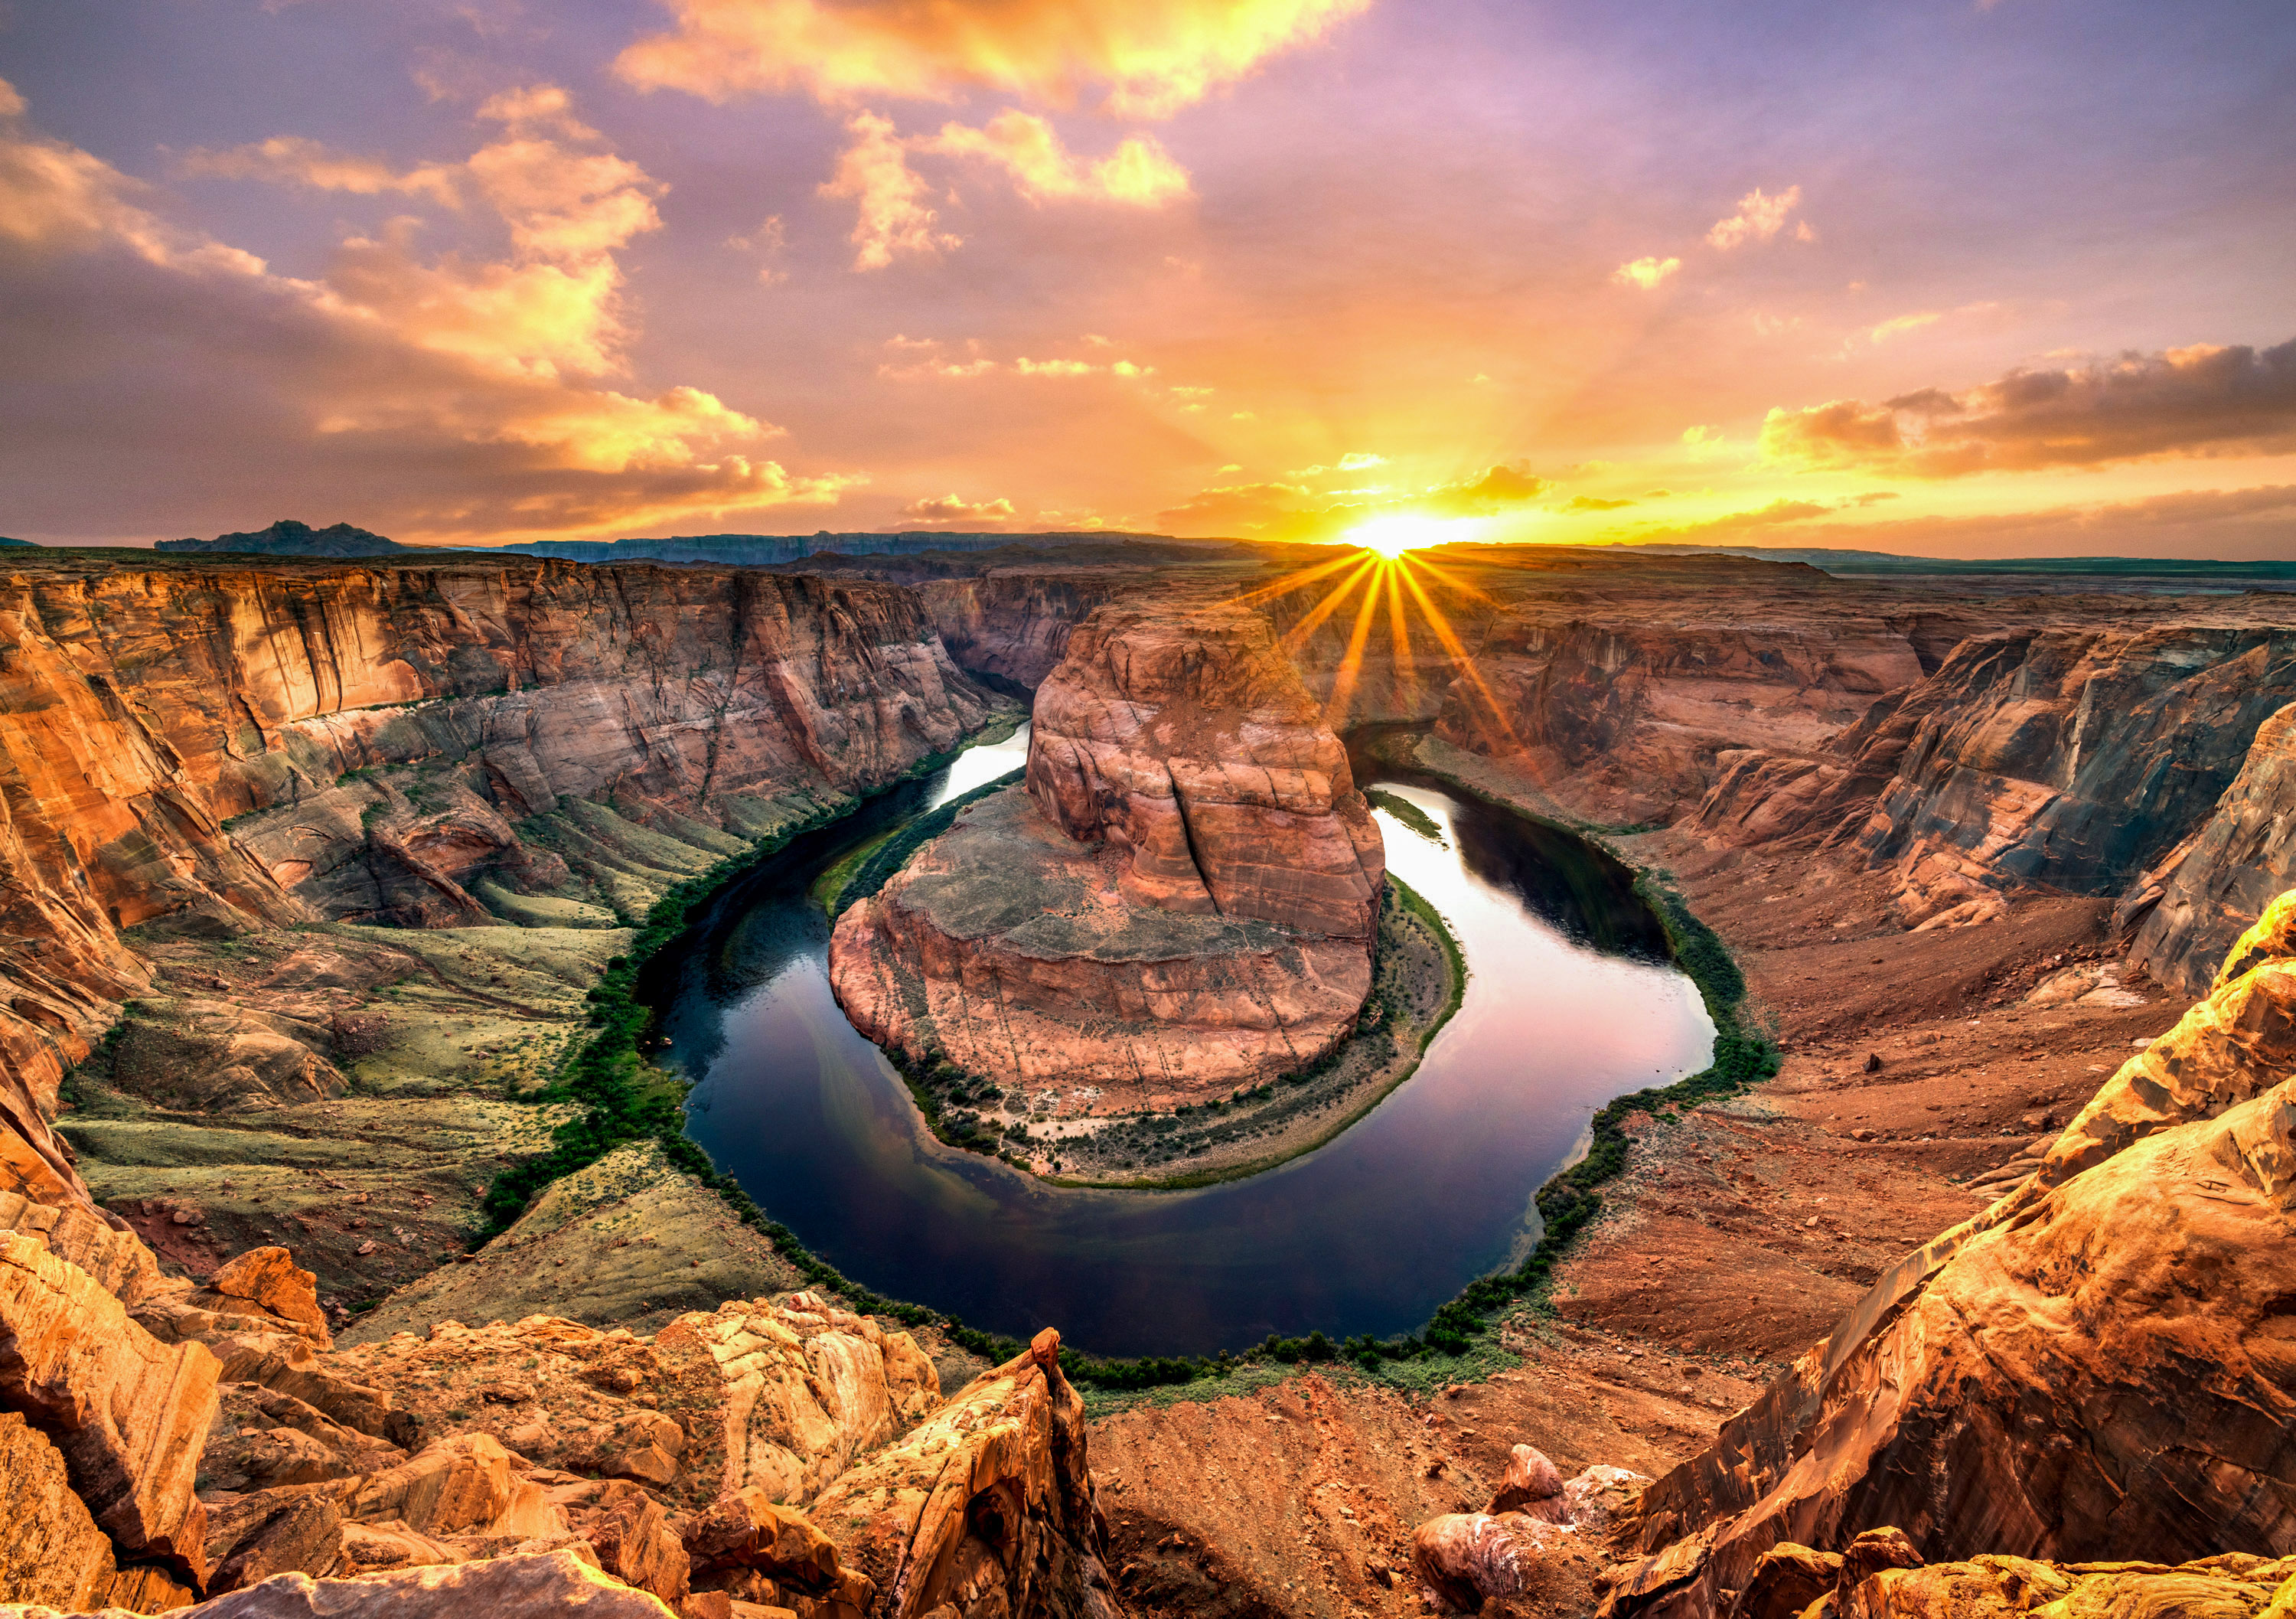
<point>1177,905</point>
<point>1976,1308</point>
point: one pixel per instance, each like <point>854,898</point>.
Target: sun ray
<point>1293,580</point>
<point>1298,634</point>
<point>1344,682</point>
<point>1459,654</point>
<point>1398,633</point>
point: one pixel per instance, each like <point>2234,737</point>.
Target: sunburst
<point>1385,568</point>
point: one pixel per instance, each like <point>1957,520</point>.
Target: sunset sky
<point>1927,275</point>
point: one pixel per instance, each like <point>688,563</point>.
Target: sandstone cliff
<point>2092,1366</point>
<point>1181,902</point>
<point>209,766</point>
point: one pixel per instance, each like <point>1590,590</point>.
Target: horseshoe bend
<point>371,917</point>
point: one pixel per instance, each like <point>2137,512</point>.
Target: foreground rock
<point>1180,903</point>
<point>2091,1368</point>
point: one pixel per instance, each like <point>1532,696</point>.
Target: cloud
<point>1500,486</point>
<point>292,161</point>
<point>2246,524</point>
<point>1758,218</point>
<point>1139,172</point>
<point>1593,503</point>
<point>1354,461</point>
<point>1896,326</point>
<point>874,171</point>
<point>1645,272</point>
<point>2201,400</point>
<point>465,395</point>
<point>1148,57</point>
<point>951,508</point>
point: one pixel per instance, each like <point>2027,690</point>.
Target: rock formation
<point>1180,901</point>
<point>2093,1365</point>
<point>790,1455</point>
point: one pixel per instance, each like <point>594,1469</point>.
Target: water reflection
<point>1368,1233</point>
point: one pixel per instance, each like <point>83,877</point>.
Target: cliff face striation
<point>207,768</point>
<point>1180,901</point>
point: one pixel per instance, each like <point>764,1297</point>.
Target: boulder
<point>463,1482</point>
<point>274,1532</point>
<point>745,1530</point>
<point>1787,1580</point>
<point>1532,1485</point>
<point>636,1543</point>
<point>264,1289</point>
<point>129,1414</point>
<point>800,1391</point>
<point>1469,1558</point>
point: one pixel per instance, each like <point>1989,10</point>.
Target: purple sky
<point>1977,279</point>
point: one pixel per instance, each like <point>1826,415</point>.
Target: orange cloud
<point>1152,57</point>
<point>874,171</point>
<point>1139,172</point>
<point>1758,218</point>
<point>492,368</point>
<point>291,160</point>
<point>2205,399</point>
<point>1645,272</point>
<point>951,508</point>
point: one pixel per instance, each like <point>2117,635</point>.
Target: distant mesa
<point>289,538</point>
<point>6,541</point>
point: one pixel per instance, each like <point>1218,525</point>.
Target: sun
<point>1391,535</point>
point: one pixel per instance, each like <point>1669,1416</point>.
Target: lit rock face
<point>2095,1365</point>
<point>1180,902</point>
<point>1187,739</point>
<point>375,734</point>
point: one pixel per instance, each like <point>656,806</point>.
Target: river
<point>1567,1005</point>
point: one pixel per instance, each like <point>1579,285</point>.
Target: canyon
<point>313,871</point>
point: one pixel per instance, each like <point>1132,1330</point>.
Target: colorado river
<point>1567,1005</point>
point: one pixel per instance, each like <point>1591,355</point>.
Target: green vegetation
<point>868,868</point>
<point>1410,813</point>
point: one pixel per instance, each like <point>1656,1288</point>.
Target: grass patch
<point>1410,813</point>
<point>870,867</point>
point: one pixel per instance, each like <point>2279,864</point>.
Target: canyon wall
<point>195,751</point>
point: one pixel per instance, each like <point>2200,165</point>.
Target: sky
<point>1937,276</point>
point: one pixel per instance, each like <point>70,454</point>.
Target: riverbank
<point>1419,978</point>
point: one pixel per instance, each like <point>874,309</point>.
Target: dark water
<point>1565,1009</point>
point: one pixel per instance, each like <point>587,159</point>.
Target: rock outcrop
<point>1180,902</point>
<point>2188,909</point>
<point>2096,1364</point>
